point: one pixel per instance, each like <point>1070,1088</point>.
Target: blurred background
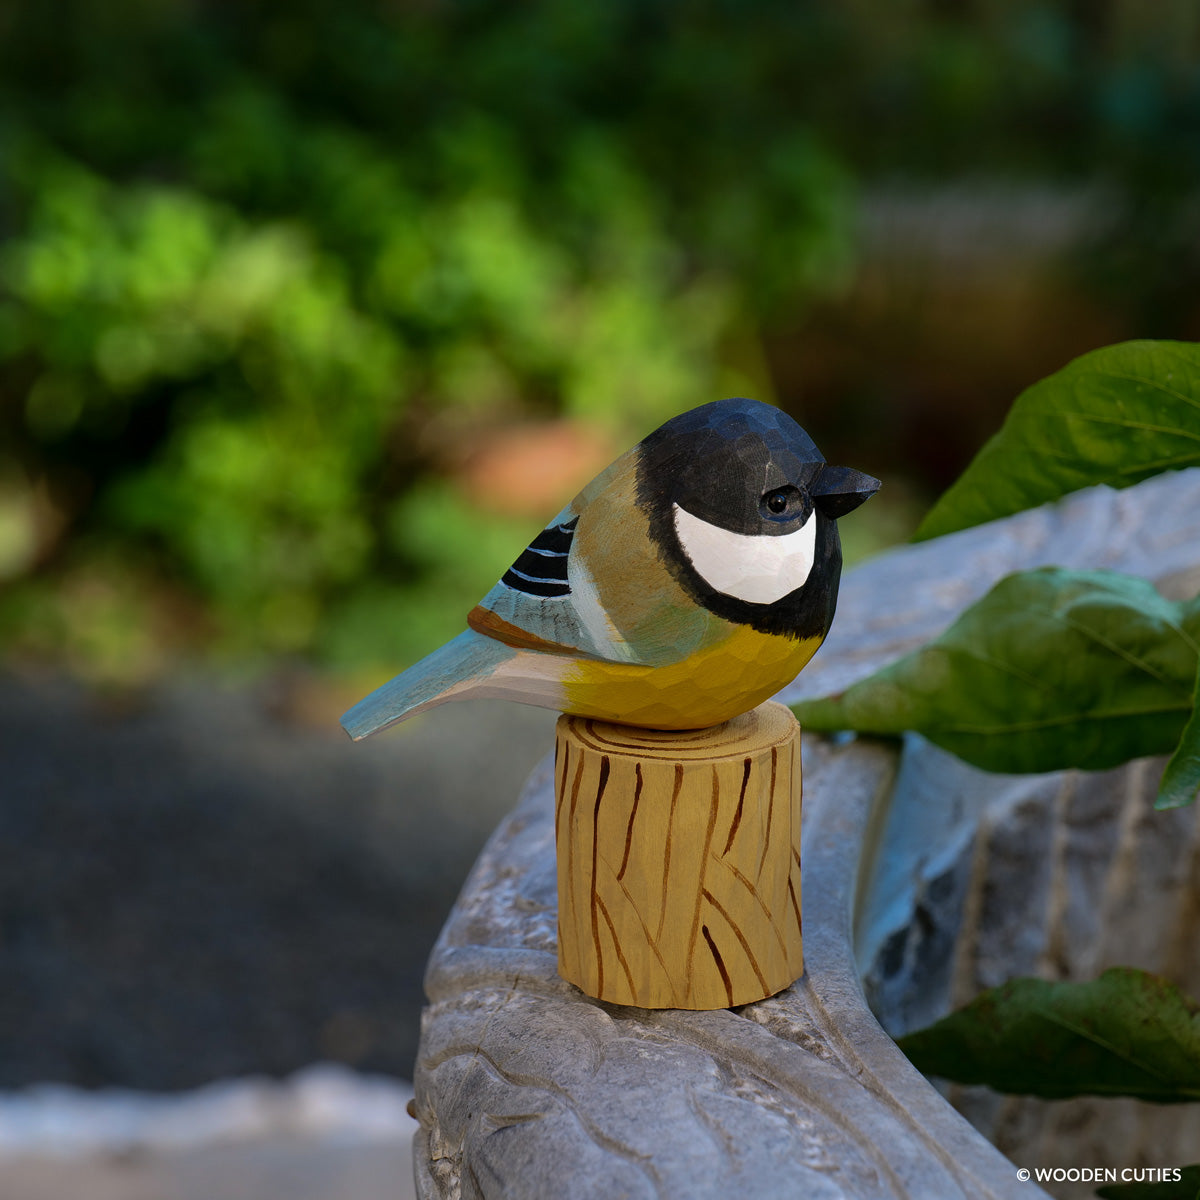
<point>311,314</point>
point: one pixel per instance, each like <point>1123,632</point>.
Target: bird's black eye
<point>778,502</point>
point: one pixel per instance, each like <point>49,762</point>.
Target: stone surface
<point>985,877</point>
<point>925,878</point>
<point>1059,876</point>
<point>324,1134</point>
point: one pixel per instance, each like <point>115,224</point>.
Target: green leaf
<point>1181,780</point>
<point>1186,1187</point>
<point>1051,669</point>
<point>1127,1033</point>
<point>1116,416</point>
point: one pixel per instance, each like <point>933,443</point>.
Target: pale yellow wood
<point>679,860</point>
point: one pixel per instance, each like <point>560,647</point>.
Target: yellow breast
<point>710,686</point>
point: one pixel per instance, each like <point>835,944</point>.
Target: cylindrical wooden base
<point>679,860</point>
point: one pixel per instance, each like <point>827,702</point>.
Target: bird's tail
<point>458,667</point>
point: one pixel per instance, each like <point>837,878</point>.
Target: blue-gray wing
<point>547,601</point>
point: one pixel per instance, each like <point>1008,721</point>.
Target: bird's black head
<point>719,485</point>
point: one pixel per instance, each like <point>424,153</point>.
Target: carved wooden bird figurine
<point>687,583</point>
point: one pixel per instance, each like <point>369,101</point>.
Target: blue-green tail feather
<point>441,676</point>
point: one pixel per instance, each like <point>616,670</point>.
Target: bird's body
<point>687,583</point>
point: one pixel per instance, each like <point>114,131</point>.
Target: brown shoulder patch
<point>484,621</point>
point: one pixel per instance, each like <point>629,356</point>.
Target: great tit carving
<point>688,582</point>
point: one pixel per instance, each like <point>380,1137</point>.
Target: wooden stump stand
<point>679,860</point>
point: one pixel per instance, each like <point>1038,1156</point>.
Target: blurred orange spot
<point>533,470</point>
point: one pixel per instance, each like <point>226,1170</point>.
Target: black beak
<point>839,490</point>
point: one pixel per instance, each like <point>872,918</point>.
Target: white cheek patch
<point>754,567</point>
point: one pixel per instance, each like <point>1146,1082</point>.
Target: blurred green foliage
<point>264,267</point>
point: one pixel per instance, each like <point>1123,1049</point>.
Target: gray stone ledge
<point>923,877</point>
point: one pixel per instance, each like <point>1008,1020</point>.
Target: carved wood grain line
<point>795,906</point>
<point>741,878</point>
<point>612,929</point>
<point>737,816</point>
<point>559,786</point>
<point>645,745</point>
<point>704,856</point>
<point>605,767</point>
<point>700,745</point>
<point>741,937</point>
<point>720,962</point>
<point>770,811</point>
<point>662,912</point>
<point>562,758</point>
<point>571,838</point>
<point>791,884</point>
<point>637,796</point>
<point>646,934</point>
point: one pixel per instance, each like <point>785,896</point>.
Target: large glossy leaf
<point>1052,668</point>
<point>1127,1033</point>
<point>1116,416</point>
<point>1186,1187</point>
<point>1181,779</point>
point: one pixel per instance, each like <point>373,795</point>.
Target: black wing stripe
<point>535,587</point>
<point>541,569</point>
<point>540,577</point>
<point>556,539</point>
<point>538,566</point>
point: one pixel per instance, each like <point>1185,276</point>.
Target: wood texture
<point>679,860</point>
